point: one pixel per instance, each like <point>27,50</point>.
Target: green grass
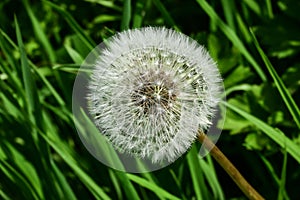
<point>42,44</point>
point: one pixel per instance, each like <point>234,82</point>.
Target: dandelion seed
<point>151,91</point>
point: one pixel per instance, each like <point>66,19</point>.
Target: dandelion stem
<point>231,170</point>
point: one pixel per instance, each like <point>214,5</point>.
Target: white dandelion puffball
<point>151,91</point>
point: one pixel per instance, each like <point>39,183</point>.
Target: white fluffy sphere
<point>151,91</point>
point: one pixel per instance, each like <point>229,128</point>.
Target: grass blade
<point>274,134</point>
<point>286,96</point>
<point>24,188</point>
<point>126,15</point>
<point>39,33</point>
<point>283,177</point>
<point>196,174</point>
<point>165,14</point>
<point>106,3</point>
<point>88,181</point>
<point>229,12</point>
<point>30,88</point>
<point>90,44</point>
<point>76,57</point>
<point>232,37</point>
<point>153,187</point>
<point>139,13</point>
<point>130,191</point>
<point>273,174</point>
<point>43,78</point>
<point>212,179</point>
<point>64,186</point>
<point>88,129</point>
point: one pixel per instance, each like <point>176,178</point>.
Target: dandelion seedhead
<point>151,91</point>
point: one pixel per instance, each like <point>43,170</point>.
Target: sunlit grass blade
<point>231,35</point>
<point>130,191</point>
<point>284,93</point>
<point>153,187</point>
<point>3,195</point>
<point>254,6</point>
<point>125,22</point>
<point>76,57</point>
<point>274,134</point>
<point>25,189</point>
<point>139,13</point>
<point>229,12</point>
<point>30,88</point>
<point>269,9</point>
<point>62,184</point>
<point>196,174</point>
<point>243,28</point>
<point>212,179</point>
<point>6,50</point>
<point>106,3</point>
<point>86,179</point>
<point>115,183</point>
<point>34,114</point>
<point>88,133</point>
<point>142,167</point>
<point>35,68</point>
<point>21,168</point>
<point>39,33</point>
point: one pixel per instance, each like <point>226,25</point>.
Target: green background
<point>256,44</point>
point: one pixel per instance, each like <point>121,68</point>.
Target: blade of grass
<point>63,185</point>
<point>106,3</point>
<point>169,20</point>
<point>129,189</point>
<point>115,183</point>
<point>86,179</point>
<point>254,6</point>
<point>39,33</point>
<point>229,12</point>
<point>284,93</point>
<point>139,13</point>
<point>211,177</point>
<point>43,78</point>
<point>281,190</point>
<point>196,174</point>
<point>69,156</point>
<point>125,22</point>
<point>273,174</point>
<point>23,169</point>
<point>6,50</point>
<point>178,183</point>
<point>269,9</point>
<point>76,57</point>
<point>90,134</point>
<point>231,35</point>
<point>42,162</point>
<point>30,88</point>
<point>153,187</point>
<point>88,130</point>
<point>3,195</point>
<point>274,134</point>
<point>16,177</point>
<point>74,25</point>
